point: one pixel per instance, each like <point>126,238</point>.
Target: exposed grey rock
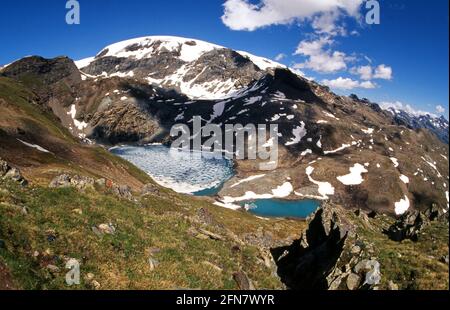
<point>60,181</point>
<point>108,229</point>
<point>76,181</point>
<point>150,189</point>
<point>371,268</point>
<point>4,167</point>
<point>15,175</point>
<point>123,191</point>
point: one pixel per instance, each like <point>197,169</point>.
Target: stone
<point>100,183</point>
<point>353,281</point>
<point>211,234</point>
<point>152,263</point>
<point>154,251</point>
<point>444,259</point>
<point>372,269</point>
<point>79,182</point>
<point>205,216</point>
<point>243,281</point>
<point>122,191</point>
<point>4,167</point>
<point>356,250</point>
<point>82,182</point>
<point>107,229</point>
<point>95,285</point>
<point>15,175</point>
<point>392,286</point>
<point>149,189</point>
<point>60,181</point>
<point>78,211</point>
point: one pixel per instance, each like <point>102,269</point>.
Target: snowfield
<point>402,206</point>
<point>355,175</point>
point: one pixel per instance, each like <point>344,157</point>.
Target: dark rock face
<point>407,227</point>
<point>308,261</point>
<point>329,255</point>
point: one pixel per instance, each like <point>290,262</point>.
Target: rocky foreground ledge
<point>341,249</point>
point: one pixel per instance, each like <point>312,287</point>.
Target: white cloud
<point>280,57</point>
<point>319,58</point>
<point>327,24</point>
<point>440,109</point>
<point>347,84</point>
<point>368,72</point>
<point>364,72</point>
<point>383,72</point>
<point>397,106</point>
<point>243,15</point>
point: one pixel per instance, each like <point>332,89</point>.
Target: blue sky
<point>411,40</point>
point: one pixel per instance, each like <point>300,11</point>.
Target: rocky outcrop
<point>10,173</point>
<point>84,183</point>
<point>329,255</point>
<point>150,189</point>
<point>410,224</point>
<point>76,181</point>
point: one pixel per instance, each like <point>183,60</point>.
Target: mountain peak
<point>196,68</point>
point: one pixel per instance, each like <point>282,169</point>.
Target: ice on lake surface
<point>184,172</point>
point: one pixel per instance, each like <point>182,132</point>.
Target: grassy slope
<point>38,126</point>
<point>120,261</point>
<point>411,265</point>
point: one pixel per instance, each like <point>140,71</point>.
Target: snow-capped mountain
<point>437,125</point>
<point>195,68</point>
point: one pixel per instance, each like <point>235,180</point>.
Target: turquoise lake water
<point>282,208</point>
